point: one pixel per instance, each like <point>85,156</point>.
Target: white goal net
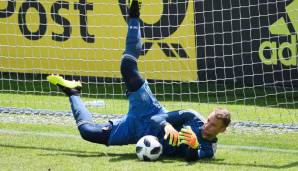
<point>237,54</point>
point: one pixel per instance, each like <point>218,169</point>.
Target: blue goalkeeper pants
<point>99,133</point>
<point>96,133</point>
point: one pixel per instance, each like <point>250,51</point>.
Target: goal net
<point>241,55</point>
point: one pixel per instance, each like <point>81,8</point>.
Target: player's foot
<point>68,87</point>
<point>134,8</point>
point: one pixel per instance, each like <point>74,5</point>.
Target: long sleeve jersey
<point>180,119</point>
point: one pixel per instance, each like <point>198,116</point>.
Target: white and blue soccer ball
<point>148,148</point>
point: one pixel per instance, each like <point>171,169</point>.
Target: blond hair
<point>224,115</point>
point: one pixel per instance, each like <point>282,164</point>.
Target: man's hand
<point>187,136</point>
<point>174,135</point>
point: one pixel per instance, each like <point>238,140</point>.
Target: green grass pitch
<point>56,146</point>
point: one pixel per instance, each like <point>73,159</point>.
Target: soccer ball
<point>148,148</point>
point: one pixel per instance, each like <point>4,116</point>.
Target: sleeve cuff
<point>163,124</point>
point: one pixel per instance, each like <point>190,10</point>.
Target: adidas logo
<point>284,52</point>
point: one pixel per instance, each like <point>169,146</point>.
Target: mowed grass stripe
<point>240,112</point>
<point>62,135</point>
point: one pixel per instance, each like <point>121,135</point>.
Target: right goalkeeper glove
<point>187,136</point>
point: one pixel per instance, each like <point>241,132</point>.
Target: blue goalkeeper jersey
<point>147,117</point>
<point>180,119</point>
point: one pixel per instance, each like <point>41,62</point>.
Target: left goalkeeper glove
<point>171,131</point>
<point>187,136</point>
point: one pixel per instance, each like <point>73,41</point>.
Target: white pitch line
<point>256,148</point>
<point>232,147</point>
<point>15,132</point>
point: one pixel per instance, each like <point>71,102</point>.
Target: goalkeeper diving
<point>182,133</point>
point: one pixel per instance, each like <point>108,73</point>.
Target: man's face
<point>212,127</point>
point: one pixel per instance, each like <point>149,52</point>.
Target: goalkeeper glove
<point>174,135</point>
<point>187,136</point>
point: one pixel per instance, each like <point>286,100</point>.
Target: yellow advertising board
<point>280,27</point>
<point>84,37</point>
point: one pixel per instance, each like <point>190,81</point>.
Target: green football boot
<point>68,87</point>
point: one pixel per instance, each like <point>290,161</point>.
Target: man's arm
<point>176,118</point>
<point>166,122</point>
<point>200,153</point>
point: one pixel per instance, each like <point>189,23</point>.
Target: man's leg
<point>96,133</point>
<point>142,102</point>
<point>129,68</point>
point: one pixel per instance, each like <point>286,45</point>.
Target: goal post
<point>196,54</point>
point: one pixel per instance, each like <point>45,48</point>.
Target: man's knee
<point>95,133</point>
<point>128,64</point>
<point>130,73</point>
<point>128,60</point>
<point>85,131</point>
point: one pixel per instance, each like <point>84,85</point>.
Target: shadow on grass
<point>132,156</point>
<point>114,157</point>
<point>77,153</point>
